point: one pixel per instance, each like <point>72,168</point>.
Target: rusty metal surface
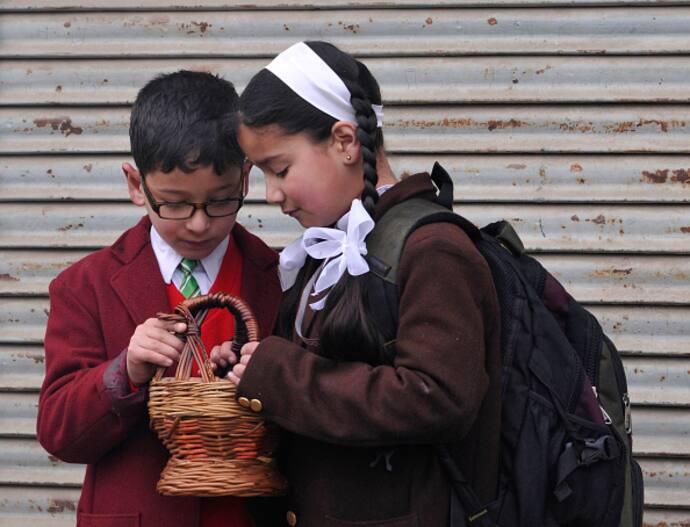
<point>416,129</point>
<point>661,432</point>
<point>21,370</point>
<point>666,482</point>
<point>409,80</point>
<point>593,279</point>
<point>666,518</point>
<point>386,32</point>
<point>646,330</point>
<point>477,178</point>
<point>635,330</point>
<point>659,382</point>
<point>24,462</point>
<point>18,419</point>
<point>167,5</point>
<point>38,507</point>
<point>546,227</point>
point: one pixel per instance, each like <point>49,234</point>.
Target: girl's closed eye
<point>283,172</point>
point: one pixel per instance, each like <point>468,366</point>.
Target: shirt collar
<point>168,258</point>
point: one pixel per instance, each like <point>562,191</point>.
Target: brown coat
<point>361,450</point>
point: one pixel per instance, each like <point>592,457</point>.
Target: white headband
<point>305,73</point>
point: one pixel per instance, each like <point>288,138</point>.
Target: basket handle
<point>192,312</point>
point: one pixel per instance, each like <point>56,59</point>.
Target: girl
<point>363,429</point>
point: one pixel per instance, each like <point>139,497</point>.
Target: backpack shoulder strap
<point>385,243</point>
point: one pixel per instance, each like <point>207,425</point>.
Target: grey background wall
<point>569,118</point>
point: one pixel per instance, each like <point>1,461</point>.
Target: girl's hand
<point>153,344</point>
<point>222,357</point>
<point>245,356</point>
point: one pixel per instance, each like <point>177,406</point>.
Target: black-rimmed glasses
<point>183,210</point>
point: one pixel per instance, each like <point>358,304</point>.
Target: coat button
<point>291,518</point>
<point>255,405</point>
<point>244,402</point>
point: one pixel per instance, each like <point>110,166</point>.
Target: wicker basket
<point>217,447</point>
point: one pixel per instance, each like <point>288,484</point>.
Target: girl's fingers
<point>249,348</point>
<point>244,360</point>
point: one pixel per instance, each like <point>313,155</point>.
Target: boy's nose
<point>199,221</point>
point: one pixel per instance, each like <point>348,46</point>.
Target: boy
<point>103,342</point>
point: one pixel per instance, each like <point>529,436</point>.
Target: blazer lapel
<point>139,283</point>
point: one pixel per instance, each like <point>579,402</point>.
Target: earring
<point>348,157</point>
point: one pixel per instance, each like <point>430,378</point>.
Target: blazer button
<point>255,405</point>
<point>244,402</point>
<point>291,518</point>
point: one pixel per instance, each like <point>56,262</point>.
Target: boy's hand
<point>222,357</point>
<point>245,356</point>
<point>152,345</point>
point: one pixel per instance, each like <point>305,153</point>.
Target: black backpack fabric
<point>566,434</point>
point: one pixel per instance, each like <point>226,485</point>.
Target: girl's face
<point>312,182</point>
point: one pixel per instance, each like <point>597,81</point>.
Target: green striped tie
<point>189,286</point>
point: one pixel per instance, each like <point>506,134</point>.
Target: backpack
<point>566,434</point>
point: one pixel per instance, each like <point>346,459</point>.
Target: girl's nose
<point>274,194</point>
<point>199,221</point>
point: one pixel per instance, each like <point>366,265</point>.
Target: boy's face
<point>197,236</point>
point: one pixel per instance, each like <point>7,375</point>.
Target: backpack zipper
<point>627,413</point>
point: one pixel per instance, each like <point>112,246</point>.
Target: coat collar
<point>140,287</point>
<point>138,283</point>
<point>414,186</point>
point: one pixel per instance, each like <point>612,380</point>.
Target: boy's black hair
<point>185,120</point>
<point>348,331</point>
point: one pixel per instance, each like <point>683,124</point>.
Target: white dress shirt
<point>205,273</point>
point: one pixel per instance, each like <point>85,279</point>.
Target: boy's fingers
<point>167,325</point>
<point>156,346</point>
<point>226,352</point>
<point>217,359</point>
<point>164,337</point>
<point>145,355</point>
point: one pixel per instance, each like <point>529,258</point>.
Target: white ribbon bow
<point>343,249</point>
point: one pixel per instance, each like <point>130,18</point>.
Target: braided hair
<point>348,331</point>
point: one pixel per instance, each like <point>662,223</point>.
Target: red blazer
<point>86,412</point>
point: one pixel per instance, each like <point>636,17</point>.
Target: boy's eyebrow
<point>175,191</point>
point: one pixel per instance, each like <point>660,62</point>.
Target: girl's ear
<point>133,178</point>
<point>344,140</point>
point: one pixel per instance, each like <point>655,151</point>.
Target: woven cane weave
<point>217,447</point>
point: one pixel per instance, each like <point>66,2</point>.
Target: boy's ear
<point>344,140</point>
<point>133,178</point>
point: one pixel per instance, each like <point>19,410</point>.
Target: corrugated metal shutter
<point>570,118</point>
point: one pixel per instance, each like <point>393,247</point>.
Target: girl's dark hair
<point>267,100</point>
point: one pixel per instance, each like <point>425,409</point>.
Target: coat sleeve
<point>85,406</point>
<point>434,388</point>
